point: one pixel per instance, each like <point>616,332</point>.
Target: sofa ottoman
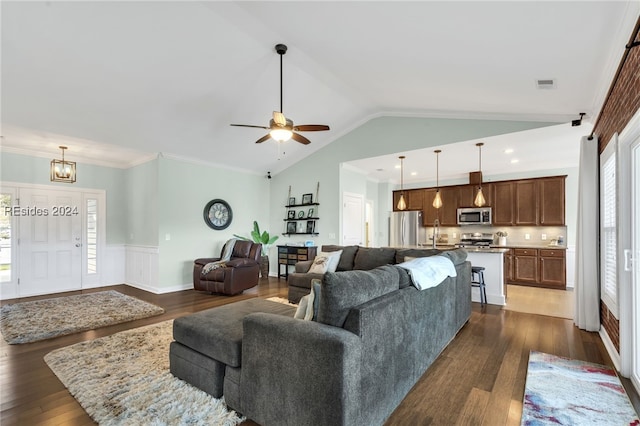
<point>207,342</point>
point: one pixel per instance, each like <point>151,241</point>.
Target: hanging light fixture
<point>402,204</point>
<point>437,201</point>
<point>63,171</point>
<point>479,200</point>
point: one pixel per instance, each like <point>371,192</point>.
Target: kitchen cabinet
<point>503,202</point>
<point>544,267</point>
<point>551,192</point>
<point>552,268</point>
<point>525,265</point>
<point>413,197</point>
<point>467,194</point>
<point>429,213</point>
<point>526,202</point>
<point>449,210</point>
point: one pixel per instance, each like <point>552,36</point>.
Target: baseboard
<point>611,350</point>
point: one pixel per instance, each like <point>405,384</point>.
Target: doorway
<point>352,219</point>
<point>55,239</point>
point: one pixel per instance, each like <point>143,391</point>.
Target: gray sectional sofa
<point>374,337</point>
<point>352,258</point>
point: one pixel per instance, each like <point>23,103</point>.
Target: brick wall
<point>622,104</point>
<point>611,325</point>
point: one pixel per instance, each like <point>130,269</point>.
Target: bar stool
<point>477,280</point>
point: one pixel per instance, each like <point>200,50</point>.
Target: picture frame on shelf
<point>301,214</point>
<point>307,198</point>
<point>310,214</point>
<point>292,201</point>
<point>311,226</point>
<point>291,228</point>
<point>291,214</point>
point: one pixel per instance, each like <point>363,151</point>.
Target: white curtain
<point>587,289</point>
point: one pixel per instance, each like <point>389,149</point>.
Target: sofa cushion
<point>341,291</point>
<point>325,262</point>
<point>346,258</point>
<point>369,258</point>
<point>402,253</point>
<point>457,256</point>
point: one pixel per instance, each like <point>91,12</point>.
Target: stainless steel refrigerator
<point>405,229</point>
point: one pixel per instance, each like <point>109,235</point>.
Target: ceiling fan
<point>281,128</point>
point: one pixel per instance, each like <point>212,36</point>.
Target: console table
<point>290,255</point>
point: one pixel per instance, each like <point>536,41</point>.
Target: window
<point>92,236</point>
<point>608,228</point>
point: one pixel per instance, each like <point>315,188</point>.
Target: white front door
<point>50,245</point>
<point>635,262</point>
<point>352,219</point>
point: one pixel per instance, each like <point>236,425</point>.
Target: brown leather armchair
<point>240,273</point>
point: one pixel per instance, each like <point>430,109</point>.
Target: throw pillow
<point>347,258</point>
<point>308,306</point>
<point>325,262</point>
<point>369,258</point>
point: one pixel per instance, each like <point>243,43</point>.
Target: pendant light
<point>479,200</point>
<point>402,205</point>
<point>63,171</point>
<point>437,201</point>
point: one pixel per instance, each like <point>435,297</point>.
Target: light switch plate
<point>527,236</point>
<point>543,236</point>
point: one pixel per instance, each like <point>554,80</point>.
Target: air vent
<point>548,83</point>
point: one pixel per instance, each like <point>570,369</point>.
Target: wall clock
<point>217,214</point>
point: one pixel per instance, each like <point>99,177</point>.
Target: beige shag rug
<point>124,379</point>
<point>27,322</point>
<point>282,300</point>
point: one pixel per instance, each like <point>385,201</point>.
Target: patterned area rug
<point>561,391</point>
<point>124,379</point>
<point>27,322</point>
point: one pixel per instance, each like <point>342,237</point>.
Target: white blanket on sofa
<point>429,271</point>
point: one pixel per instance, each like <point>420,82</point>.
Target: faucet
<point>436,232</point>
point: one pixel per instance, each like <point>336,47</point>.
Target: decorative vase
<point>502,241</point>
<point>264,266</point>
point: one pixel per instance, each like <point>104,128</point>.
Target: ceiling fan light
<point>437,201</point>
<point>281,135</point>
<point>402,205</point>
<point>479,201</point>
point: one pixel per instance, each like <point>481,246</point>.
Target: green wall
<point>20,168</point>
<point>183,191</point>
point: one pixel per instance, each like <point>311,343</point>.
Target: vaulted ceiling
<point>117,81</point>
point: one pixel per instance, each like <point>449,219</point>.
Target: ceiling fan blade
<point>279,118</point>
<point>299,138</point>
<point>249,125</point>
<point>264,138</point>
<point>310,128</point>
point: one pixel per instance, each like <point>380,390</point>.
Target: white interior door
<point>8,238</point>
<point>352,219</point>
<point>50,244</point>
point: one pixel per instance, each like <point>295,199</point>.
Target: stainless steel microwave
<point>474,216</point>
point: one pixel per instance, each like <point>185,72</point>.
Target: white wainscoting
<point>142,266</point>
<point>113,270</point>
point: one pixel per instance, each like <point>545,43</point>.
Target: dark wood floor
<point>478,380</point>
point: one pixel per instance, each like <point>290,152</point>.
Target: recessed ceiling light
<point>514,161</point>
<point>508,151</point>
<point>414,173</point>
<point>397,166</point>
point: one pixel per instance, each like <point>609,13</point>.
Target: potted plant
<point>266,241</point>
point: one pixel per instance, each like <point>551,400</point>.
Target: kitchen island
<point>492,259</point>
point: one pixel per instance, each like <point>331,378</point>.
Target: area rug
<point>124,379</point>
<point>27,322</point>
<point>562,391</point>
<point>282,300</point>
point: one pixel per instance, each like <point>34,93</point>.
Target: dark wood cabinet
<point>525,265</point>
<point>552,268</point>
<point>551,193</point>
<point>536,267</point>
<point>429,213</point>
<point>414,199</point>
<point>290,255</point>
<point>467,194</point>
<point>526,202</point>
<point>449,210</point>
<point>503,201</point>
